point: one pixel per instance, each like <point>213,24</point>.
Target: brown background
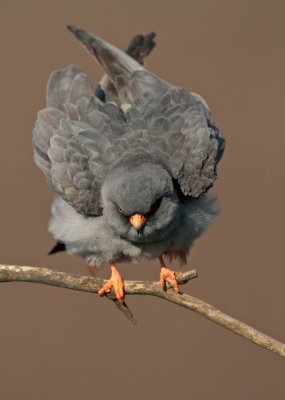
<point>59,344</point>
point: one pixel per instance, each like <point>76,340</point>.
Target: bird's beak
<point>137,220</point>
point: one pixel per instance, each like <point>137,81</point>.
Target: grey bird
<point>130,162</point>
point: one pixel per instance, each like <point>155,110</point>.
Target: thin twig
<point>12,273</point>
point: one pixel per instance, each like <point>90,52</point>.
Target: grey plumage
<point>144,146</point>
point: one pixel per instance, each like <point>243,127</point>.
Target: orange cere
<point>137,220</point>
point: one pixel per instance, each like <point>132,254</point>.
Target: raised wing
<point>139,48</point>
<point>129,78</point>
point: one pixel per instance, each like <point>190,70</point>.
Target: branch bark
<point>13,273</point>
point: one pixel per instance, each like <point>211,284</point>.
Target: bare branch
<point>12,273</point>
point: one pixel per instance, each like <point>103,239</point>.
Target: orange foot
<point>165,273</point>
<point>116,282</point>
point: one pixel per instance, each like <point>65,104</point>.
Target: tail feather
<point>58,247</point>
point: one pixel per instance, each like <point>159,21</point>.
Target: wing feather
<point>68,138</point>
<point>180,125</point>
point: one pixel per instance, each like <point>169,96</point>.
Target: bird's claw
<point>116,283</point>
<point>167,273</point>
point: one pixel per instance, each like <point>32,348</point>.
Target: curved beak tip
<point>137,220</point>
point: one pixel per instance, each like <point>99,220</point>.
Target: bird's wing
<point>178,129</point>
<point>70,137</point>
<point>139,47</point>
<point>129,78</point>
<point>200,144</point>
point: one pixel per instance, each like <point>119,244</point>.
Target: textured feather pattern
<point>70,137</point>
<point>78,138</point>
<point>138,49</point>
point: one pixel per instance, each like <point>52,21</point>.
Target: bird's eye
<point>119,210</point>
<point>155,205</point>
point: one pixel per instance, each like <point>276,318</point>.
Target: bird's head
<point>139,200</point>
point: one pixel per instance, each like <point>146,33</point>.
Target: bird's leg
<point>116,282</point>
<point>165,273</point>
